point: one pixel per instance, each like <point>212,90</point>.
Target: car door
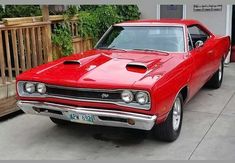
<point>201,53</point>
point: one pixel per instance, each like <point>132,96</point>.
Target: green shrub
<point>128,12</point>
<point>62,38</point>
<point>1,12</point>
<point>107,16</point>
<point>87,23</point>
<point>88,7</point>
<point>93,21</point>
<point>71,11</point>
<point>21,11</point>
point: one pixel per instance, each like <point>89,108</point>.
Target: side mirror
<point>199,44</point>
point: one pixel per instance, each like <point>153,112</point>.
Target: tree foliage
<point>62,38</point>
<point>19,11</point>
<point>93,21</point>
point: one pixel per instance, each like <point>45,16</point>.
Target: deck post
<point>45,15</point>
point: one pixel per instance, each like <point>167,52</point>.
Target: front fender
<point>167,89</point>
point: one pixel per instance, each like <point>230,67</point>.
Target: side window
<point>197,34</point>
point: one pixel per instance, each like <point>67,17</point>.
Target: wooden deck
<point>7,97</point>
<point>8,105</point>
<point>26,43</point>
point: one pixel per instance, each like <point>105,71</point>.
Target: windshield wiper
<point>152,50</point>
<point>111,48</point>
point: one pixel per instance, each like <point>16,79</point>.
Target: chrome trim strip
<point>104,35</point>
<point>136,105</point>
<point>141,121</point>
<point>131,105</point>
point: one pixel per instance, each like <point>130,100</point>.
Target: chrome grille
<point>100,95</point>
<point>83,94</point>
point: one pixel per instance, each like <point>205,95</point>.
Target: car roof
<point>182,22</point>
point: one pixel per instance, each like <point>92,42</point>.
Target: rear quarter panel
<point>222,47</point>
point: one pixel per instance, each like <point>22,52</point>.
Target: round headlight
<point>41,88</point>
<point>127,96</point>
<point>30,87</point>
<point>142,98</point>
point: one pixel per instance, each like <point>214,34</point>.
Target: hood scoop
<point>136,67</point>
<point>72,62</point>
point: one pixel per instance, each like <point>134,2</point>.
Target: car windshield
<point>159,38</point>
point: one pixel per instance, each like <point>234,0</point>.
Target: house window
<point>171,11</point>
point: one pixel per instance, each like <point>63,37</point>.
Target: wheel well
<point>184,93</point>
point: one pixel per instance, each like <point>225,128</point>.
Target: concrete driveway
<point>208,132</point>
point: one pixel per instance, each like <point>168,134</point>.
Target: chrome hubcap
<point>220,72</point>
<point>177,114</point>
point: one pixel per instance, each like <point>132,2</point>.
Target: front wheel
<point>170,129</point>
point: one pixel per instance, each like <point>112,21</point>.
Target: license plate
<point>81,118</point>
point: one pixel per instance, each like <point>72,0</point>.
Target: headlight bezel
<point>135,101</point>
<point>144,95</point>
<point>127,92</point>
<point>29,85</point>
<point>42,87</point>
<point>24,91</point>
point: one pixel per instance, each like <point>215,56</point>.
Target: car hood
<point>100,69</point>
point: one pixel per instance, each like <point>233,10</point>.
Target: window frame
<point>201,28</point>
<point>191,42</point>
<point>184,28</point>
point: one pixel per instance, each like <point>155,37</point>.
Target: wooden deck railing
<point>72,23</point>
<point>54,19</point>
<point>24,45</point>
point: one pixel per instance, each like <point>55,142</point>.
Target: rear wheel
<point>217,79</point>
<point>170,129</point>
<point>59,121</point>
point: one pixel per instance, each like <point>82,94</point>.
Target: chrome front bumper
<point>101,116</point>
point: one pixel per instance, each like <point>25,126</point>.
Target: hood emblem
<point>104,95</point>
<point>91,67</point>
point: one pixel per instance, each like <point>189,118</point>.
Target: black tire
<point>216,81</point>
<point>165,131</point>
<point>59,121</point>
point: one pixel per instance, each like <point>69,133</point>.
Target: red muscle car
<point>139,75</point>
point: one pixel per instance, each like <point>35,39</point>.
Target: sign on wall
<point>205,8</point>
